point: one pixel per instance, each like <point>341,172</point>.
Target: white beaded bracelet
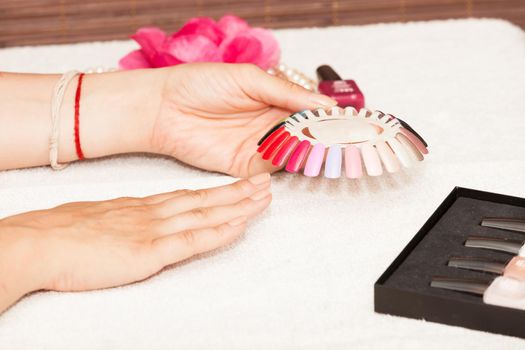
<point>56,103</point>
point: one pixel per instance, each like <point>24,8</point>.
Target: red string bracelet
<point>78,147</point>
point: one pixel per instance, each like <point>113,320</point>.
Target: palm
<point>207,120</point>
<point>211,115</point>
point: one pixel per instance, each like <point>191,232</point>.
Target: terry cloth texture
<point>302,276</point>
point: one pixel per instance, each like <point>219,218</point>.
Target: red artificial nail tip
<point>285,151</point>
<point>270,139</point>
<point>275,145</point>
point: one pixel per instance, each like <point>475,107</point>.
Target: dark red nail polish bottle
<point>345,92</point>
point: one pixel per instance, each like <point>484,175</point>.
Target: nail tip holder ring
<point>368,141</point>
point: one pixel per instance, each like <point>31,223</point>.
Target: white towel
<point>303,275</point>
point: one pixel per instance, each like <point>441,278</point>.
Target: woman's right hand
<point>91,245</point>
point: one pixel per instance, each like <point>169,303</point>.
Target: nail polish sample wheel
<point>368,141</point>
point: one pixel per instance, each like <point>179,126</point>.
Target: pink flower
<point>202,39</point>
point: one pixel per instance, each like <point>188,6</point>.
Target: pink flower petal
<point>244,48</point>
<point>150,39</point>
<point>203,26</point>
<point>165,59</point>
<point>232,25</point>
<point>134,60</point>
<point>153,42</point>
<point>271,52</point>
<point>256,45</point>
<point>202,39</point>
<point>194,48</point>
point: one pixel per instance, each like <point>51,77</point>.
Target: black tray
<point>404,288</point>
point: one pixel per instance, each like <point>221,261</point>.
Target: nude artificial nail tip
<point>400,153</point>
<point>410,148</point>
<point>388,158</point>
<point>353,165</point>
<point>414,140</point>
<point>371,160</point>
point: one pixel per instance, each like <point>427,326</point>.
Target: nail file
<point>513,268</point>
<point>511,246</point>
<point>360,142</point>
<point>502,291</point>
<point>509,224</point>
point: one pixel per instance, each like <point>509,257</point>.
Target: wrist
<point>19,270</point>
<point>117,113</point>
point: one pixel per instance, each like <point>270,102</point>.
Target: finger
<point>104,205</point>
<point>257,165</point>
<point>213,216</point>
<point>249,162</point>
<point>173,248</point>
<point>161,197</point>
<point>215,196</point>
<point>121,202</point>
<point>275,91</point>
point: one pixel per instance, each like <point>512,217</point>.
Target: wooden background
<point>28,22</point>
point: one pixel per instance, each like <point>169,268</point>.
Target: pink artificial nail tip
<point>315,161</point>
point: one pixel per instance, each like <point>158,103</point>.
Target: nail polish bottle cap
<point>326,72</point>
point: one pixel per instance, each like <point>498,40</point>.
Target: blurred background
<point>33,22</point>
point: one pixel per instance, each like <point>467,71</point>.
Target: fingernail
<point>257,196</point>
<point>322,100</point>
<point>238,221</point>
<point>259,179</point>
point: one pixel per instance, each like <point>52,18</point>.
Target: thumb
<point>271,90</point>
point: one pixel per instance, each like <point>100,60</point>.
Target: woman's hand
<point>91,245</point>
<point>209,115</point>
<point>212,115</point>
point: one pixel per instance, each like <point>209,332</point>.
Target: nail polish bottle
<point>345,92</point>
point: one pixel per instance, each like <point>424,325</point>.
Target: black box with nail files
<point>404,288</point>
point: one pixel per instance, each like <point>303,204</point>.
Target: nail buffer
<point>509,224</point>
